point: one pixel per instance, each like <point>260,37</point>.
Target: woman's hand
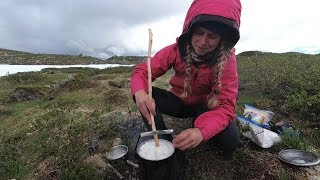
<point>145,105</point>
<point>188,139</point>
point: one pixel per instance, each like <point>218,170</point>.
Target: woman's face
<point>204,41</point>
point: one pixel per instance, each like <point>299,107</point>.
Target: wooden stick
<point>155,137</point>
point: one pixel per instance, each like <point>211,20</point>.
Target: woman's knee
<point>228,139</point>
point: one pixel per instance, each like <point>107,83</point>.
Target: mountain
<point>109,56</point>
<point>19,58</point>
<point>26,58</point>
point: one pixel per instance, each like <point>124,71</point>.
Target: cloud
<point>63,26</point>
<point>280,26</point>
<point>104,28</point>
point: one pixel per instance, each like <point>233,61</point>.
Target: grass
<point>47,138</point>
<point>55,130</point>
<point>292,139</point>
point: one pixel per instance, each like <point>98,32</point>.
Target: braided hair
<point>220,59</point>
<point>216,59</point>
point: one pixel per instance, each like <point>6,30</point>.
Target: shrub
<point>26,78</point>
<point>292,139</point>
<point>290,80</point>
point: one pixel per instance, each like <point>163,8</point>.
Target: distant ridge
<point>25,58</point>
<point>255,53</point>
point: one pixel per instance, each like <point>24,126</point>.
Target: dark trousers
<point>174,167</point>
<point>169,104</point>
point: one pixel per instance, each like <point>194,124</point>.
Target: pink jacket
<point>211,122</point>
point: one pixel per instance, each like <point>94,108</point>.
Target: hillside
<point>49,118</point>
<point>20,58</point>
<point>294,55</point>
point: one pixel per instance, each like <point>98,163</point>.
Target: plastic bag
<point>258,116</point>
<point>259,135</point>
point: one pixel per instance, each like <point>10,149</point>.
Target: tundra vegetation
<point>48,118</point>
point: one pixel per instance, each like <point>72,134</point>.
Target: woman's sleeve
<point>214,121</point>
<point>162,61</point>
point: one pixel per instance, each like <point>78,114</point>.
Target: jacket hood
<point>226,12</point>
<point>225,9</point>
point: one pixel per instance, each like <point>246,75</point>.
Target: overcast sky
<point>103,27</point>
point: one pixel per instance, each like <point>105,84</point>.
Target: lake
<point>6,69</point>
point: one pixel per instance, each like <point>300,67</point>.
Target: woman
<point>205,83</point>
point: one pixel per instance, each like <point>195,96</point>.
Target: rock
<point>26,94</point>
<point>117,141</point>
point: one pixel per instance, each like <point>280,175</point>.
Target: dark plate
<point>298,157</point>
